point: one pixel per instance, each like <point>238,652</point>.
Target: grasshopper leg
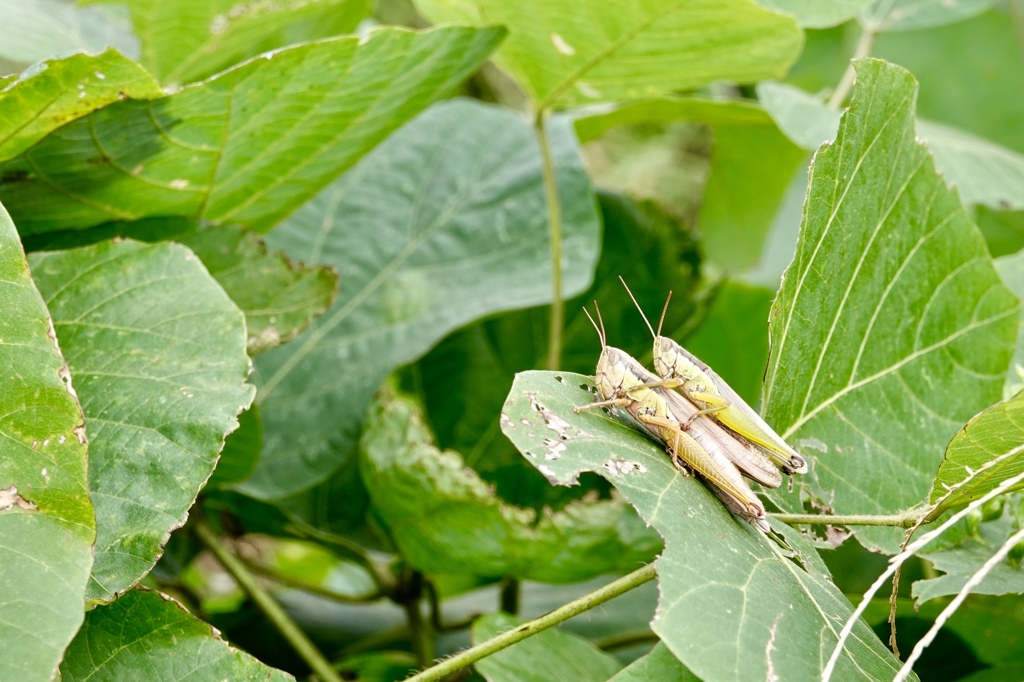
<point>617,402</point>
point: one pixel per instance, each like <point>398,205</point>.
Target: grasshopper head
<point>616,371</point>
<point>672,362</point>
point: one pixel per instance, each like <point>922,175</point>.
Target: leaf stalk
<point>557,324</point>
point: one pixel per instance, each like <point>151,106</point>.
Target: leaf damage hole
<point>9,499</point>
<point>621,467</point>
<point>559,379</point>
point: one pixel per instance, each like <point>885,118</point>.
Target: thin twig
<point>556,330</point>
<point>903,519</point>
<point>863,49</point>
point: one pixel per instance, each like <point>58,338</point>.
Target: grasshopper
<point>678,368</point>
<point>699,444</point>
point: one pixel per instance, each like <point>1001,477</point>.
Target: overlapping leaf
<point>248,146</point>
<point>659,664</point>
<point>444,223</point>
<point>891,327</point>
<point>33,30</point>
<point>444,519</point>
<point>186,40</point>
<point>717,574</point>
<point>147,633</point>
<point>909,15</point>
<point>818,13</point>
<point>567,52</point>
<point>158,355</point>
<point>46,519</point>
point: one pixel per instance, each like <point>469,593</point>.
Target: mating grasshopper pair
<point>731,442</point>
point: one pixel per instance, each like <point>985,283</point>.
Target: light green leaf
<point>445,519</point>
<point>46,519</point>
<point>184,41</point>
<point>817,13</point>
<point>248,146</point>
<point>157,350</point>
<point>1011,271</point>
<point>568,52</point>
<point>997,431</point>
<point>549,655</point>
<point>891,328</point>
<point>146,633</point>
<point>444,223</point>
<point>717,574</point>
<point>959,563</point>
<point>803,117</point>
<point>659,665</point>
<point>33,30</point>
<point>59,91</point>
<point>910,15</point>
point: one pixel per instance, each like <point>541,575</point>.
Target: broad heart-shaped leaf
<point>659,665</point>
<point>996,432</point>
<point>58,91</point>
<point>46,519</point>
<point>186,40</point>
<point>549,655</point>
<point>157,351</point>
<point>960,562</point>
<point>444,519</point>
<point>717,574</point>
<point>568,52</point>
<point>891,327</point>
<point>442,224</point>
<point>147,634</point>
<point>248,146</point>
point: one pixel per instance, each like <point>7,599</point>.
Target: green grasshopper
<point>698,444</point>
<point>678,368</point>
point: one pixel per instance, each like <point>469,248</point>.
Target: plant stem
<point>509,600</point>
<point>863,49</point>
<point>555,234</point>
<point>266,603</point>
<point>419,629</point>
<point>903,520</point>
<point>559,615</point>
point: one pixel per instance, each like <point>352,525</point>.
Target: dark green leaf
<point>891,328</point>
<point>548,655</point>
<point>59,91</point>
<point>241,450</point>
<point>46,519</point>
<point>444,223</point>
<point>567,52</point>
<point>184,41</point>
<point>659,665</point>
<point>158,355</point>
<point>717,574</point>
<point>248,146</point>
<point>146,633</point>
<point>444,519</point>
<point>378,666</point>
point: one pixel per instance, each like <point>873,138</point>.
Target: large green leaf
<point>158,354</point>
<point>717,574</point>
<point>444,519</point>
<point>33,30</point>
<point>248,146</point>
<point>891,327</point>
<point>186,40</point>
<point>548,655</point>
<point>567,52</point>
<point>59,91</point>
<point>147,634</point>
<point>444,223</point>
<point>46,519</point>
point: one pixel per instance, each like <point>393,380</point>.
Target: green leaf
<point>444,519</point>
<point>241,450</point>
<point>549,655</point>
<point>59,91</point>
<point>717,574</point>
<point>33,30</point>
<point>960,562</point>
<point>659,665</point>
<point>997,431</point>
<point>444,223</point>
<point>910,15</point>
<point>569,52</point>
<point>1011,271</point>
<point>377,666</point>
<point>891,328</point>
<point>248,146</point>
<point>157,351</point>
<point>145,632</point>
<point>46,519</point>
<point>817,13</point>
<point>591,124</point>
<point>184,41</point>
<point>279,296</point>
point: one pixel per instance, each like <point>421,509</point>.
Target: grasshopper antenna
<point>600,331</point>
<point>663,311</point>
<point>646,321</point>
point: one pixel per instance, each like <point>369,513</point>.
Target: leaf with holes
<point>891,327</point>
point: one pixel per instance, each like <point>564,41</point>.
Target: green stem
<point>509,598</point>
<point>904,520</point>
<point>266,603</point>
<point>559,615</point>
<point>419,628</point>
<point>555,233</point>
<point>863,49</point>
